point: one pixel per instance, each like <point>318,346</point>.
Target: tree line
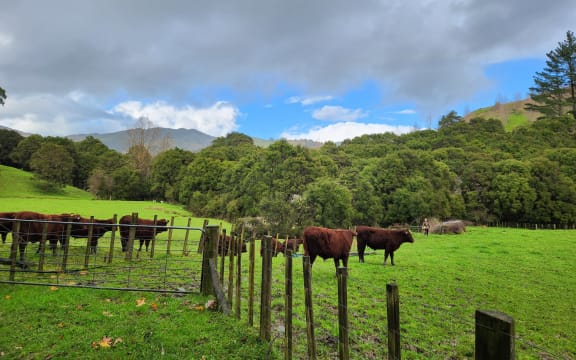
<point>472,170</point>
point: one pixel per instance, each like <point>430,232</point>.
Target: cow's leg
<point>392,257</point>
<point>312,258</point>
<point>124,241</point>
<point>4,235</point>
<point>22,247</point>
<point>147,244</point>
<point>386,253</point>
<point>142,243</point>
<point>93,245</point>
<point>361,248</point>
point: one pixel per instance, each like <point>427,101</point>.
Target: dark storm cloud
<point>430,53</point>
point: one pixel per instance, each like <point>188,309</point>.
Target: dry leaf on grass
<point>140,302</point>
<point>53,288</point>
<point>7,297</point>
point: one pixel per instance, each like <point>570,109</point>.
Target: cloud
<point>345,130</point>
<point>338,113</point>
<point>406,112</point>
<point>310,100</point>
<point>218,119</point>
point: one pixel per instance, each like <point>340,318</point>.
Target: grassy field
<point>442,279</point>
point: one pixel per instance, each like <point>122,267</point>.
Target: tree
<point>555,86</point>
<point>331,203</point>
<point>449,119</point>
<point>9,140</point>
<point>2,96</point>
<point>53,163</point>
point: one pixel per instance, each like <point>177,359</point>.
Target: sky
<point>324,70</point>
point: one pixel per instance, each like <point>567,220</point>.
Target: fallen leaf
<point>117,341</point>
<point>53,288</point>
<point>107,313</point>
<point>199,307</point>
<point>83,272</point>
<point>8,297</point>
<point>108,300</point>
<point>154,306</point>
<point>106,342</point>
<point>60,325</point>
<point>140,302</point>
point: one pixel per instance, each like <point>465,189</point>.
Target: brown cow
<point>99,228</point>
<point>377,238</point>
<point>328,243</point>
<point>293,244</point>
<point>223,246</point>
<point>32,225</point>
<point>6,224</point>
<point>277,248</point>
<point>145,233</point>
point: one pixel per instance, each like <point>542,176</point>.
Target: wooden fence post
<point>185,251</point>
<point>131,236</point>
<point>153,245</point>
<point>43,246</point>
<point>66,247</point>
<point>89,243</point>
<point>239,242</point>
<point>308,307</point>
<point>231,256</point>
<point>288,305</point>
<point>343,340</point>
<point>252,251</point>
<point>210,251</point>
<point>112,238</point>
<point>221,249</point>
<point>393,307</point>
<point>494,336</point>
<point>14,250</point>
<point>266,290</point>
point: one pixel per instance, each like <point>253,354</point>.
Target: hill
<point>512,114</point>
<point>22,184</point>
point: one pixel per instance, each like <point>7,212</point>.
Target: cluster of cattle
<point>336,243</point>
<point>32,227</point>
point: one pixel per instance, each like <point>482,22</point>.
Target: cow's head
<point>408,236</point>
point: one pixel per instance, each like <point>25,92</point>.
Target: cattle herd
<point>34,225</point>
<point>317,241</point>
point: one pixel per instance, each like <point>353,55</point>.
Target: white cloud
<point>309,100</point>
<point>216,120</point>
<point>338,113</point>
<point>406,112</point>
<point>346,130</point>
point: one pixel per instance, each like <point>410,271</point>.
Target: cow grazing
<point>144,233</point>
<point>377,238</point>
<point>5,224</point>
<point>293,244</point>
<point>328,243</point>
<point>99,228</point>
<point>277,248</point>
<point>32,225</point>
<point>224,244</point>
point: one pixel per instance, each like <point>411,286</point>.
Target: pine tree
<point>555,86</point>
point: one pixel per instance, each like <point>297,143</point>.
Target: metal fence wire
<point>171,262</point>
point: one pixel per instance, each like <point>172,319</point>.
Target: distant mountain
<point>512,114</point>
<point>186,139</point>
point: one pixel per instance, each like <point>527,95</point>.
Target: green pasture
<point>442,280</point>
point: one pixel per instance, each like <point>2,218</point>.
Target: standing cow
<point>277,248</point>
<point>99,228</point>
<point>32,225</point>
<point>293,244</point>
<point>145,233</point>
<point>5,224</point>
<point>328,243</point>
<point>377,238</point>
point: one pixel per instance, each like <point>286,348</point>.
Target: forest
<point>471,170</point>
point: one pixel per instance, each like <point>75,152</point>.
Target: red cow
<point>277,248</point>
<point>5,224</point>
<point>376,238</point>
<point>293,244</point>
<point>99,228</point>
<point>223,246</point>
<point>33,223</point>
<point>328,243</point>
<point>144,233</point>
